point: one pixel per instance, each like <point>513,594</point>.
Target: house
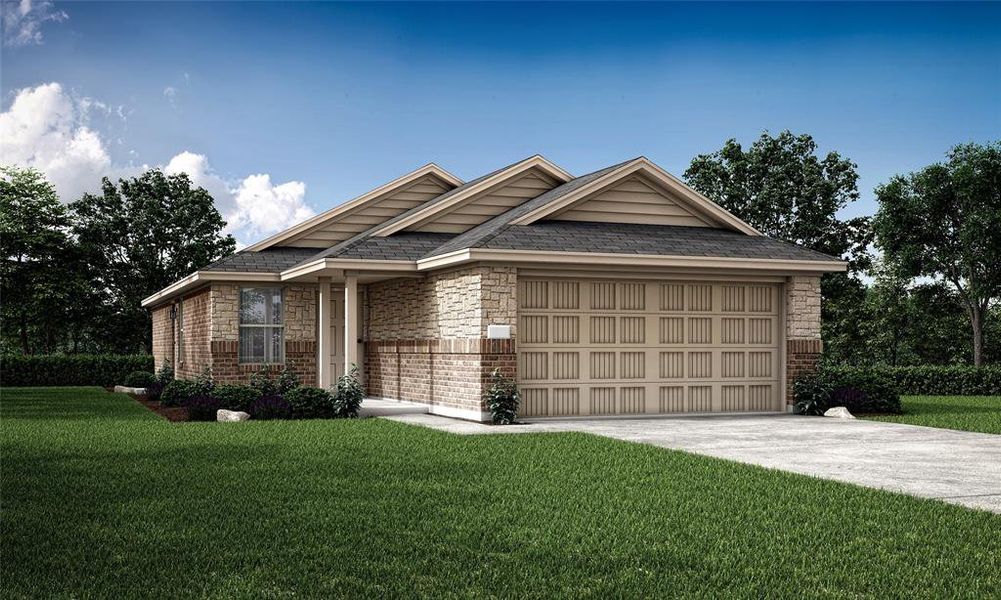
<point>622,291</point>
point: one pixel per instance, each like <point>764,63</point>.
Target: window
<point>262,333</point>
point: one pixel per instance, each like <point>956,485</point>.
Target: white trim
<point>691,197</point>
<point>403,180</point>
<point>199,277</point>
<point>629,260</point>
<point>514,170</point>
<point>342,264</point>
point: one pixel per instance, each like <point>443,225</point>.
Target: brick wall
<point>425,337</point>
<point>163,336</point>
<point>300,333</point>
<point>195,354</point>
<point>803,343</point>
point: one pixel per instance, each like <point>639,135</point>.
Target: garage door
<point>599,347</point>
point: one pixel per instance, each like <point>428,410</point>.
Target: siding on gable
<point>369,215</point>
<point>631,201</point>
<point>489,204</point>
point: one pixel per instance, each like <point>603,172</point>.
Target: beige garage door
<point>598,347</point>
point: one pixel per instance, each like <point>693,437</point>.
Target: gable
<point>488,203</point>
<point>632,200</point>
<point>373,212</point>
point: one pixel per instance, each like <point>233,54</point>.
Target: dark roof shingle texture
<point>661,240</point>
<point>272,260</point>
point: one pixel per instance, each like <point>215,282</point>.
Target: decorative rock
<point>122,389</point>
<point>839,412</point>
<point>230,416</point>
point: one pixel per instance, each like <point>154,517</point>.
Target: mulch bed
<point>174,413</point>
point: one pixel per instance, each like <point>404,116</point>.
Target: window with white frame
<point>262,331</point>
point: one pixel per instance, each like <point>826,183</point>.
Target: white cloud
<point>46,128</point>
<point>23,20</point>
<point>253,207</point>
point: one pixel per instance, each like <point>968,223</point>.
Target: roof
<point>406,245</point>
<point>272,260</point>
<point>620,238</point>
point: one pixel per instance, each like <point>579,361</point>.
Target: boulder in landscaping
<point>230,416</point>
<point>124,389</point>
<point>839,412</point>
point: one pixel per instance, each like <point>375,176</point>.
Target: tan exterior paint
<point>608,347</point>
<point>398,195</point>
<point>653,174</point>
<point>481,207</point>
<point>633,200</point>
<point>514,171</point>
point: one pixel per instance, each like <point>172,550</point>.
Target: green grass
<point>101,498</point>
<point>966,413</point>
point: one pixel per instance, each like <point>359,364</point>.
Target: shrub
<point>309,402</point>
<point>502,398</point>
<point>349,395</point>
<point>154,391</point>
<point>140,379</point>
<point>73,369</point>
<point>235,397</point>
<point>858,390</point>
<point>166,373</point>
<point>202,407</point>
<point>265,381</point>
<point>943,380</point>
<point>179,391</point>
<point>270,407</point>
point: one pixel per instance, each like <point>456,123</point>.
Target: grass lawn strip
<point>103,498</point>
<point>965,413</point>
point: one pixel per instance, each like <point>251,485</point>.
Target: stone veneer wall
<point>212,334</point>
<point>425,338</point>
<point>300,333</point>
<point>803,343</point>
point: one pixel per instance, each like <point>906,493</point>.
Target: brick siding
<point>803,343</point>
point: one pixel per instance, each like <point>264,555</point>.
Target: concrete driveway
<point>955,466</point>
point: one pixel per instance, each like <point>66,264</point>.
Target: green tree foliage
<point>142,234</point>
<point>783,189</point>
<point>943,222</point>
<point>42,283</point>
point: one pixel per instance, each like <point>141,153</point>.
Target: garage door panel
<point>623,347</point>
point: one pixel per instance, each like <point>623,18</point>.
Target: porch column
<point>350,322</point>
<point>324,345</point>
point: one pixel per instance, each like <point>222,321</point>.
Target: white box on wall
<point>498,332</point>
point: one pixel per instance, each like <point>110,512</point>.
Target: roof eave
<point>199,278</point>
<point>772,265</point>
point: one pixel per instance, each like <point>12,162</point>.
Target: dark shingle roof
<point>405,245</point>
<point>621,238</point>
<point>272,260</point>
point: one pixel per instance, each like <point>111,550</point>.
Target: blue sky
<point>342,97</point>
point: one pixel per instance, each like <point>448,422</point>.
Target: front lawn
<point>102,498</point>
<point>967,413</point>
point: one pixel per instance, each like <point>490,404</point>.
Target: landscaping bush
<point>166,374</point>
<point>309,402</point>
<point>202,407</point>
<point>270,407</point>
<point>858,390</point>
<point>154,391</point>
<point>179,391</point>
<point>268,383</point>
<point>139,379</point>
<point>349,395</point>
<point>74,369</point>
<point>502,398</point>
<point>235,397</point>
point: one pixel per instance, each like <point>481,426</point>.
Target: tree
<point>944,222</point>
<point>142,235</point>
<point>783,189</point>
<point>34,244</point>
